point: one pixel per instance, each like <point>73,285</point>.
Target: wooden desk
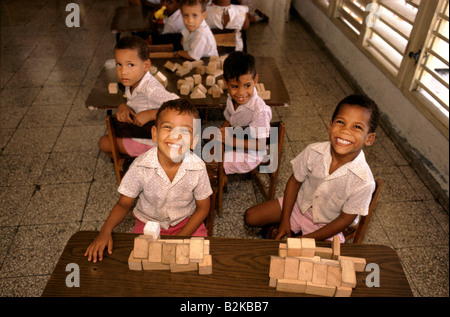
<point>269,75</point>
<point>240,269</point>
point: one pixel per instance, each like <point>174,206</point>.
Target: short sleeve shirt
<point>348,189</point>
<point>200,43</point>
<point>160,199</point>
<point>237,14</point>
<point>174,23</point>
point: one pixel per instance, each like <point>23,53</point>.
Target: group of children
<point>330,186</point>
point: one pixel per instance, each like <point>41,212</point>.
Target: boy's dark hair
<point>134,43</point>
<point>180,105</point>
<point>237,64</point>
<point>364,102</point>
<point>193,3</point>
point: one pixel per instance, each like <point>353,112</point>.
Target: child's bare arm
<point>196,219</point>
<point>337,225</point>
<point>143,117</point>
<point>104,238</point>
<point>290,196</point>
<point>125,113</point>
<point>185,55</point>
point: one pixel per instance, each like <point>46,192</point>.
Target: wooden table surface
<point>240,269</point>
<point>269,75</point>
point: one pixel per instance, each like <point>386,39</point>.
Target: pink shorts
<point>172,231</point>
<point>304,222</point>
<point>135,148</point>
<point>239,162</point>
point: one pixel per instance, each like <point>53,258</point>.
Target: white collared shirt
<point>160,199</point>
<point>174,23</point>
<point>348,189</point>
<point>200,43</point>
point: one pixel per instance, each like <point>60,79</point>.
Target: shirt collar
<point>143,87</point>
<point>150,160</point>
<point>250,104</point>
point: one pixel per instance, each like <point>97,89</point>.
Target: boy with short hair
<point>170,181</point>
<point>145,94</point>
<point>331,182</point>
<point>198,40</point>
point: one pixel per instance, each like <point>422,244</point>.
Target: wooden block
<point>294,286</point>
<point>180,82</point>
<point>185,89</point>
<point>334,275</point>
<point>196,249</point>
<point>272,282</point>
<point>197,79</point>
<point>348,273</point>
<point>152,229</point>
<point>133,263</point>
<point>182,253</point>
<point>182,71</point>
<point>140,248</point>
<point>264,95</point>
<point>324,253</point>
<point>294,247</point>
<point>198,94</point>
<point>221,84</point>
<point>155,251</point>
<point>216,91</point>
<point>276,269</point>
<point>191,266</point>
<point>291,268</point>
<point>205,267</point>
<point>360,263</point>
<point>201,70</point>
<point>330,262</point>
<point>210,80</point>
<point>319,274</point>
<point>206,246</point>
<point>197,63</point>
<point>305,270</point>
<point>308,247</point>
<point>113,88</point>
<point>336,247</point>
<point>342,291</point>
<point>153,70</point>
<point>168,253</point>
<point>190,80</point>
<point>212,67</point>
<point>170,66</point>
<point>282,250</point>
<point>154,266</point>
<point>218,73</point>
<point>201,88</point>
<point>161,78</point>
<point>320,290</point>
<point>188,65</point>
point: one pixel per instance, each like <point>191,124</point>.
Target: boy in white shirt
<point>331,182</point>
<point>170,182</point>
<point>198,40</point>
<point>145,94</point>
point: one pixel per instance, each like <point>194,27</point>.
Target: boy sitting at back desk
<point>198,40</point>
<point>171,182</point>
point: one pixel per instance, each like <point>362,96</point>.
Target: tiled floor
<point>54,181</point>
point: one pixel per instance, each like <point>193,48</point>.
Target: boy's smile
<point>349,132</point>
<point>242,90</point>
<point>192,16</point>
<point>130,68</point>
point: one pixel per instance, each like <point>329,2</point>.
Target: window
<point>408,41</point>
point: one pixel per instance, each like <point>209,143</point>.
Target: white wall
<point>421,136</point>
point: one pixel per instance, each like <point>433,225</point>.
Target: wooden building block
<point>133,263</point>
<point>205,267</point>
<point>282,250</point>
<point>180,82</point>
<point>190,81</point>
<point>201,70</point>
<point>291,268</point>
<point>294,246</point>
<point>305,270</point>
<point>182,71</point>
<point>185,89</point>
<point>182,253</point>
<point>334,275</point>
<point>197,63</point>
<point>191,266</point>
<point>152,229</point>
<point>161,78</point>
<point>197,79</point>
<point>210,80</point>
<point>319,273</point>
<point>196,249</point>
<point>348,273</point>
<point>212,67</point>
<point>206,246</point>
<point>198,94</point>
<point>168,253</point>
<point>294,286</point>
<point>201,88</point>
<point>153,70</point>
<point>276,269</point>
<point>360,263</point>
<point>170,66</point>
<point>154,266</point>
<point>308,247</point>
<point>264,95</point>
<point>221,84</point>
<point>336,247</point>
<point>188,65</point>
<point>342,291</point>
<point>140,247</point>
<point>155,251</point>
<point>113,88</point>
<point>216,91</point>
<point>320,290</point>
<point>324,253</point>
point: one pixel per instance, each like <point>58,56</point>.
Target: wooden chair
<point>358,231</point>
<point>268,191</point>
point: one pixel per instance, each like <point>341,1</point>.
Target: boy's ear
<point>204,15</point>
<point>147,64</point>
<point>154,134</point>
<point>256,79</point>
<point>370,139</point>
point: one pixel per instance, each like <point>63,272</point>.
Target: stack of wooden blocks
<point>176,255</point>
<point>301,267</point>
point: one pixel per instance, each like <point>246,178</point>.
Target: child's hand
<point>283,230</point>
<point>140,119</point>
<point>125,114</point>
<point>97,247</point>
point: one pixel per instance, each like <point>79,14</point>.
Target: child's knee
<point>249,216</point>
<point>103,144</point>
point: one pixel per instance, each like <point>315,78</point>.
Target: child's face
<point>193,16</point>
<point>349,131</point>
<point>174,135</point>
<point>171,6</point>
<point>130,68</point>
<point>241,90</point>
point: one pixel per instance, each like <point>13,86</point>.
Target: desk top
<point>269,75</point>
<point>240,269</point>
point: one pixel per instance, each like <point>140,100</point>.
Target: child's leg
<point>105,146</point>
<point>263,214</point>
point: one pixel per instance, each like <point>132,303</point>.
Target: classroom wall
<point>412,128</point>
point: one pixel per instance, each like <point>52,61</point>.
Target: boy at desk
<point>198,40</point>
<point>331,182</point>
<point>170,181</point>
<point>145,94</point>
